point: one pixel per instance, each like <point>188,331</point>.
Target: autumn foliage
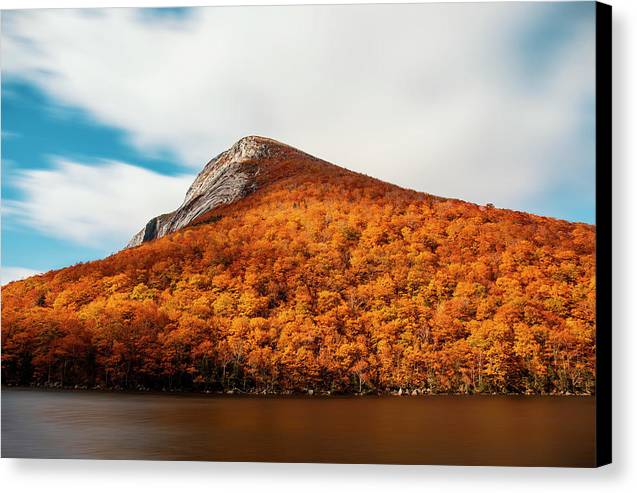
<point>327,280</point>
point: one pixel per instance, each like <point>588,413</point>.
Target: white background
<point>115,476</point>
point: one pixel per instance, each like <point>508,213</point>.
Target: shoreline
<point>253,394</point>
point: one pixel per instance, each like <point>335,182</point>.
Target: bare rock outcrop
<point>228,177</point>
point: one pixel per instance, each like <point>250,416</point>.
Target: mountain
<point>281,272</point>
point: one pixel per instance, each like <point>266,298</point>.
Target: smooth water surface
<point>471,430</point>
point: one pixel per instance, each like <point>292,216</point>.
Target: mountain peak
<point>226,178</point>
<point>255,147</point>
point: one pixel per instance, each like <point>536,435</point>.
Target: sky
<point>108,114</point>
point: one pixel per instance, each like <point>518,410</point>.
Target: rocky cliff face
<point>229,177</point>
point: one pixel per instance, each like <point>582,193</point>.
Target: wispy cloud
<point>9,274</point>
<point>6,134</point>
<point>91,204</point>
<point>436,97</point>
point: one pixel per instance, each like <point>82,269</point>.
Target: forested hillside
<point>325,280</point>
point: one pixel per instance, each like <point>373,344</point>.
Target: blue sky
<point>36,131</point>
<point>107,115</point>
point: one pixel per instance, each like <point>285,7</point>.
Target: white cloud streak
<point>93,205</point>
<point>9,274</point>
<point>433,97</point>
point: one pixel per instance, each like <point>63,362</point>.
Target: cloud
<point>9,274</point>
<point>93,205</point>
<point>435,97</point>
<point>6,134</point>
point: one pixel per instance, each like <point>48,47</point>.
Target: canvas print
<point>345,233</point>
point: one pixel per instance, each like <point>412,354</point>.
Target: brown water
<point>471,430</point>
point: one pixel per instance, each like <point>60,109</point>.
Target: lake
<point>469,430</point>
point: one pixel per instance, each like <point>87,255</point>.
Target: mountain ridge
<point>232,175</point>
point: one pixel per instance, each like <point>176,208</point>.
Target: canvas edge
<point>603,213</point>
